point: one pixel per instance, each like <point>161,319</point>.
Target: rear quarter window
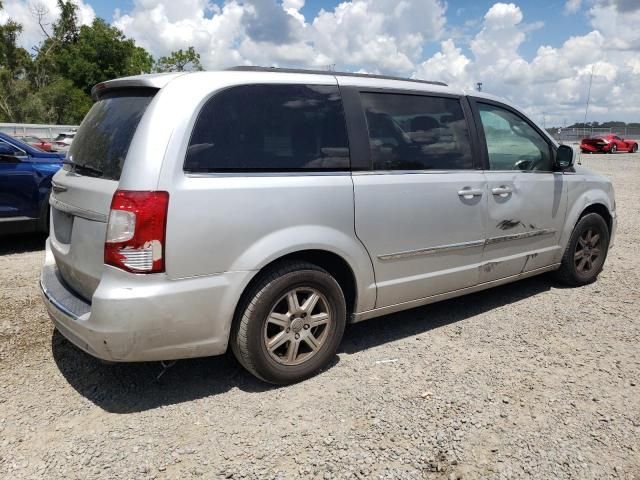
<point>267,128</point>
<point>100,146</point>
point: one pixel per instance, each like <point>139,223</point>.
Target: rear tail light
<point>136,231</point>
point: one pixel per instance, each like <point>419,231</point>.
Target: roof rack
<point>329,72</point>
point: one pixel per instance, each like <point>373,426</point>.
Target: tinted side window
<point>270,128</point>
<point>512,143</point>
<point>413,132</point>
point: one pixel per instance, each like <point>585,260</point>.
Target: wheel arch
<point>601,210</point>
<point>588,199</point>
<point>330,261</point>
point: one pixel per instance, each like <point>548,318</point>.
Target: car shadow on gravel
<point>389,328</point>
<point>21,243</point>
<point>133,387</point>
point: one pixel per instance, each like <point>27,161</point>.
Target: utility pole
<point>479,86</point>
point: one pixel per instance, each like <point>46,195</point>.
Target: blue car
<point>25,184</point>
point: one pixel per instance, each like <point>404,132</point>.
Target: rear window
<point>270,128</point>
<point>100,145</point>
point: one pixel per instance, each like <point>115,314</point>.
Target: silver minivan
<point>263,209</point>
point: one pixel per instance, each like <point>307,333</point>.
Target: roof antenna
<point>586,110</point>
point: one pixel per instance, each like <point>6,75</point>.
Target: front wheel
<point>614,149</point>
<point>586,252</point>
<point>290,323</point>
<point>634,148</point>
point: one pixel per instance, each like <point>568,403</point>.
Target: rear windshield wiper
<point>76,166</point>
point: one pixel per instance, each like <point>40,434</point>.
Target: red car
<point>36,142</point>
<point>608,144</point>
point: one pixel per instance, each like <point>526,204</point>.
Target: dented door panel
<point>526,215</point>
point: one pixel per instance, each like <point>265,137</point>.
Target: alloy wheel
<point>297,327</point>
<point>588,250</point>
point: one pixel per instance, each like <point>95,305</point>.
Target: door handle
<point>503,191</point>
<point>469,193</point>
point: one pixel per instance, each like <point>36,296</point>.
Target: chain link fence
<point>575,135</point>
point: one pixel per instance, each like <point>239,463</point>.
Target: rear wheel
<point>634,148</point>
<point>290,323</point>
<point>586,252</point>
<point>613,149</point>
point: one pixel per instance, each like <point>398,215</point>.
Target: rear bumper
<point>586,147</point>
<point>145,317</point>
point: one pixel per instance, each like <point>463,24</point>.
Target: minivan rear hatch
<point>82,191</point>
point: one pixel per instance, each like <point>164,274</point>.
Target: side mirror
<point>564,157</point>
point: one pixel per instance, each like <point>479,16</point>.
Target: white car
<point>63,141</point>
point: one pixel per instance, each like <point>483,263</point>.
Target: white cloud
<point>618,22</point>
<point>572,6</point>
<point>22,11</point>
<point>449,65</point>
<point>378,35</point>
<point>500,36</point>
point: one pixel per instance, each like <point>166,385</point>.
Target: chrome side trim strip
<point>519,236</point>
<point>464,245</point>
<point>432,250</point>
<point>377,312</point>
<point>77,211</point>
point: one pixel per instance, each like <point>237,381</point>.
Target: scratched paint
<point>509,224</point>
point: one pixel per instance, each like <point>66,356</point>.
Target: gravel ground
<point>529,380</point>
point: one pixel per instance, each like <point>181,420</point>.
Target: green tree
<point>14,61</point>
<point>61,102</point>
<point>66,28</point>
<point>101,52</point>
<point>53,85</point>
<point>180,61</point>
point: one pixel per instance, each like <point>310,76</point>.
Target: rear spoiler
<point>154,80</point>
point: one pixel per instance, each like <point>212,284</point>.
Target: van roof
<point>159,80</point>
<point>330,72</point>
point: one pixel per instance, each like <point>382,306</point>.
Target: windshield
<point>100,146</point>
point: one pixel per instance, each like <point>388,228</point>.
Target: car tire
<point>613,149</point>
<point>290,323</point>
<point>585,254</point>
<point>634,148</point>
